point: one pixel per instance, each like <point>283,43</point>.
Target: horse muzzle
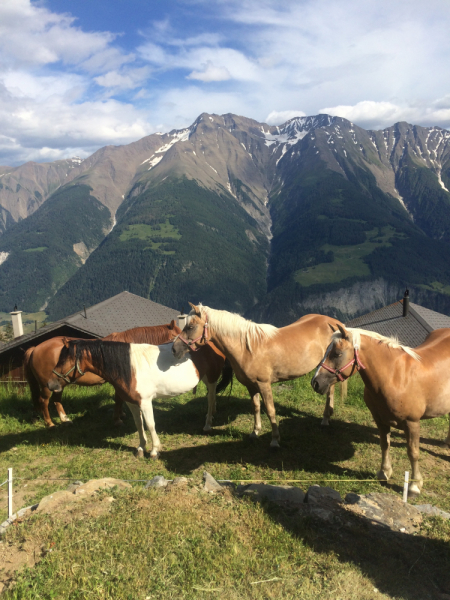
<point>320,385</point>
<point>54,385</point>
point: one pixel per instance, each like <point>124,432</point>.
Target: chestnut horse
<point>40,361</point>
<point>139,373</point>
<point>402,386</point>
<point>259,354</point>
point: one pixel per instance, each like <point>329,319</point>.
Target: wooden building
<point>118,313</point>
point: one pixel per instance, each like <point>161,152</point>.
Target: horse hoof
<point>253,435</point>
<point>154,456</point>
<point>325,423</point>
<point>275,446</point>
<point>67,422</point>
<point>413,491</point>
<point>139,453</point>
<point>207,429</point>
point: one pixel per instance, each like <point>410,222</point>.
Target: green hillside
<point>330,232</point>
<point>41,256</point>
<point>173,243</point>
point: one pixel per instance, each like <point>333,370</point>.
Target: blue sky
<point>76,75</point>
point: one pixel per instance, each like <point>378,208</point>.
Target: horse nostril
<point>315,385</point>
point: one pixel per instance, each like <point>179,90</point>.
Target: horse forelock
<point>233,325</point>
<point>390,341</point>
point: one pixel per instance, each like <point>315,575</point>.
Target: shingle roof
<point>410,330</point>
<point>118,313</point>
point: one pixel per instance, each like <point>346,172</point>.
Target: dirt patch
<point>62,507</point>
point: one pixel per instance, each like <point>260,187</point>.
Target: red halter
<point>338,372</point>
<point>204,336</point>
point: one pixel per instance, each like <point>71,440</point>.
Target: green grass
<point>187,544</point>
<point>39,249</point>
<point>436,286</point>
<point>141,231</point>
<point>348,260</point>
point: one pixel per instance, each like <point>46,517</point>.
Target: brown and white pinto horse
<point>139,373</point>
<point>259,354</point>
<point>402,386</point>
<point>40,361</point>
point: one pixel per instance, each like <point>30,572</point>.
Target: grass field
<point>348,260</point>
<point>188,544</point>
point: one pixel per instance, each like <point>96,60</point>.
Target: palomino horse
<point>139,373</point>
<point>402,386</point>
<point>40,361</point>
<point>259,354</point>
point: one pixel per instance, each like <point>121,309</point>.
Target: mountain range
<point>316,215</point>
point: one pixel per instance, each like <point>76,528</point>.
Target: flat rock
<point>318,495</point>
<point>159,481</point>
<point>428,509</point>
<point>280,494</point>
<point>52,502</point>
<point>387,510</point>
<point>93,485</point>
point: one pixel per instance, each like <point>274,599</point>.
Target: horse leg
<point>412,432</point>
<point>254,394</point>
<point>59,407</point>
<point>446,443</point>
<point>344,389</point>
<point>266,393</point>
<point>44,397</point>
<point>329,407</point>
<point>385,472</point>
<point>118,409</point>
<point>147,411</point>
<point>137,416</point>
<point>211,404</point>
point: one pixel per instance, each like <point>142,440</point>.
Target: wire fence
<point>406,481</point>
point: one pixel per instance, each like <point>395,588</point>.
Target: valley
<point>262,220</point>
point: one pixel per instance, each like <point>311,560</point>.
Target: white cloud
<point>378,115</point>
<point>277,117</point>
<point>210,73</point>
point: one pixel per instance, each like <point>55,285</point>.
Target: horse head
<point>68,367</point>
<point>341,360</point>
<point>194,334</point>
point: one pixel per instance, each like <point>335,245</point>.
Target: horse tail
<point>30,376</point>
<point>226,378</point>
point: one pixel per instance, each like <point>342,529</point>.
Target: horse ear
<point>332,328</point>
<point>344,333</point>
<point>172,324</point>
<point>195,309</point>
<point>65,341</point>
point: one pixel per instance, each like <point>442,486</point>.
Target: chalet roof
<point>410,330</point>
<point>121,312</point>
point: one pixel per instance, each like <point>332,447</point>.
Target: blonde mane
<point>391,342</point>
<point>233,325</point>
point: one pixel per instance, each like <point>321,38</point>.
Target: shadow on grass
<point>400,565</point>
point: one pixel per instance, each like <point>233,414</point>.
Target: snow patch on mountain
<point>3,257</point>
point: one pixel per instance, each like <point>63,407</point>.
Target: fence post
<point>405,487</point>
<point>10,493</point>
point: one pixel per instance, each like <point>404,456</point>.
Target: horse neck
<point>231,347</point>
<point>379,361</point>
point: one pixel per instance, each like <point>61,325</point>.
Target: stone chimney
<point>16,317</point>
<point>406,303</point>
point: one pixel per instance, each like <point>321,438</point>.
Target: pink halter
<point>204,336</point>
<point>338,372</point>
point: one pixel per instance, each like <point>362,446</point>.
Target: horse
<point>40,361</point>
<point>139,373</point>
<point>402,385</point>
<point>259,354</point>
